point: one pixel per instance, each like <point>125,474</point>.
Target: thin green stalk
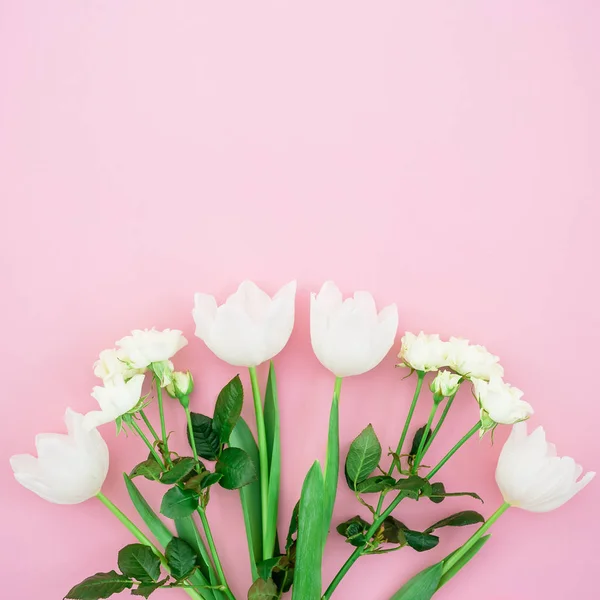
<point>142,538</point>
<point>188,416</point>
<point>163,425</point>
<point>440,422</point>
<point>215,555</point>
<point>132,423</point>
<point>454,448</point>
<point>379,521</point>
<point>421,449</point>
<point>263,460</point>
<point>411,410</point>
<point>454,558</point>
<point>149,426</point>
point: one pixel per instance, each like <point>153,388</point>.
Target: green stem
<point>454,448</point>
<point>379,521</point>
<point>263,459</point>
<point>215,555</point>
<point>188,416</point>
<point>411,410</point>
<point>149,426</point>
<point>421,449</point>
<point>141,537</point>
<point>440,422</point>
<point>454,558</point>
<point>132,423</point>
<point>163,425</point>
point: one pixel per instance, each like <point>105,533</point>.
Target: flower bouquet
<point>349,337</point>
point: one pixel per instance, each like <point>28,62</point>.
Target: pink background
<point>443,155</point>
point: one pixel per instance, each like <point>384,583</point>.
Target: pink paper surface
<point>443,155</point>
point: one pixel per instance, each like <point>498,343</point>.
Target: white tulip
<point>147,346</point>
<point>423,352</point>
<point>532,477</point>
<point>112,363</point>
<point>445,383</point>
<point>472,361</point>
<point>250,327</point>
<point>115,399</point>
<point>501,401</point>
<point>69,468</point>
<point>348,336</point>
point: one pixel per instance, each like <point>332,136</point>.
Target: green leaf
<point>263,590</point>
<point>271,419</point>
<point>379,483</point>
<point>145,589</point>
<point>250,494</point>
<point>460,519</point>
<point>140,562</point>
<point>205,436</point>
<point>420,541</point>
<point>181,468</point>
<point>332,462</point>
<point>422,586</point>
<point>437,492</point>
<point>353,530</point>
<point>293,528</point>
<point>411,486</point>
<point>265,567</point>
<point>309,552</point>
<point>178,503</point>
<point>210,479</point>
<point>393,531</point>
<point>100,585</point>
<point>181,558</point>
<point>188,532</point>
<point>363,456</point>
<point>150,518</point>
<point>463,560</point>
<point>416,442</point>
<point>149,469</point>
<point>236,468</point>
<point>228,409</point>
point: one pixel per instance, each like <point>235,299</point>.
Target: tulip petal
<point>204,313</point>
<point>329,297</point>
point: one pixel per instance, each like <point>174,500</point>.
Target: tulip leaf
<point>463,560</point>
<point>153,522</point>
<point>140,562</point>
<point>379,483</point>
<point>228,409</point>
<point>181,468</point>
<point>263,590</point>
<point>271,419</point>
<point>309,550</point>
<point>460,519</point>
<point>150,469</point>
<point>363,456</point>
<point>332,462</point>
<point>250,494</point>
<point>420,541</point>
<point>100,585</point>
<point>422,586</point>
<point>205,436</point>
<point>236,468</point>
<point>181,558</point>
<point>178,503</point>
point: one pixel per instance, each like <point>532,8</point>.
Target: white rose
<point>69,468</point>
<point>531,476</point>
<point>472,361</point>
<point>250,328</point>
<point>147,346</point>
<point>114,362</point>
<point>115,399</point>
<point>501,401</point>
<point>348,336</point>
<point>181,386</point>
<point>423,352</point>
<point>445,383</point>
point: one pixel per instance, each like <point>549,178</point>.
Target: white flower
<point>250,327</point>
<point>115,399</point>
<point>423,352</point>
<point>501,401</point>
<point>181,386</point>
<point>147,346</point>
<point>445,383</point>
<point>69,468</point>
<point>531,476</point>
<point>348,336</point>
<point>472,361</point>
<point>114,362</point>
